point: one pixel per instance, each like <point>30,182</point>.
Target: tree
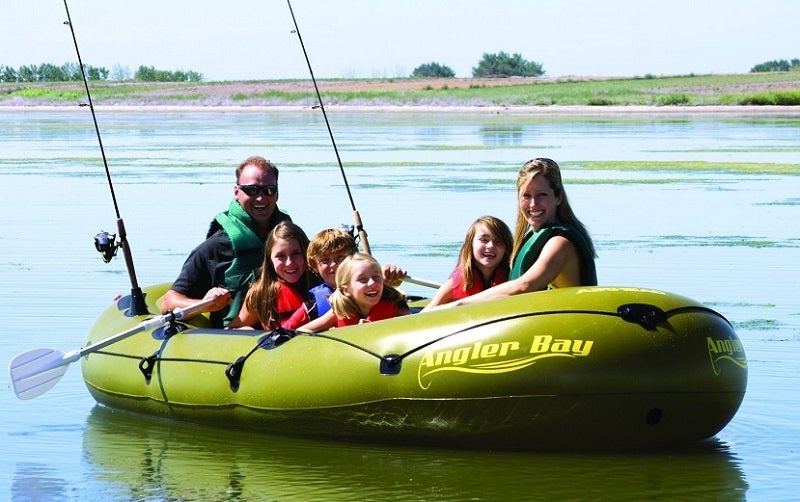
<point>193,76</point>
<point>48,72</point>
<point>503,65</point>
<point>150,74</point>
<point>432,70</point>
<point>8,74</point>
<point>94,73</point>
<point>777,65</point>
<point>120,73</point>
<point>26,74</point>
<point>73,71</point>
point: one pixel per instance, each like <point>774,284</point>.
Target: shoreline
<point>566,110</point>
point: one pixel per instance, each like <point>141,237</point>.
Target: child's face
<point>328,264</point>
<point>488,250</point>
<point>366,285</point>
<point>288,260</point>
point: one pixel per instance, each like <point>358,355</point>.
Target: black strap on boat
<point>234,371</point>
<point>147,364</point>
<point>270,341</point>
<point>391,364</point>
<point>173,327</point>
<point>163,333</point>
<point>649,316</point>
<point>645,315</point>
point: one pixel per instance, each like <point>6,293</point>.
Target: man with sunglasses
<point>223,266</point>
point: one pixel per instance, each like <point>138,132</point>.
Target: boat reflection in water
<point>145,458</point>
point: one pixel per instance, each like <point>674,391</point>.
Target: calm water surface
<point>724,238</point>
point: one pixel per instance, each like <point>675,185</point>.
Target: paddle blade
<point>36,371</point>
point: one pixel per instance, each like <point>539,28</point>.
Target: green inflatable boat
<point>567,369</point>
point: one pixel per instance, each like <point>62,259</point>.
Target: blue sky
<point>252,39</point>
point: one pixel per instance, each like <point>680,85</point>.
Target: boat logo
<point>495,358</point>
<point>725,349</point>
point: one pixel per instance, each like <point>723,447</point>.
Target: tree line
<point>499,64</point>
<point>777,65</point>
<point>70,72</point>
<point>504,65</point>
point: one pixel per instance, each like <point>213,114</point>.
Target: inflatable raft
<point>575,368</point>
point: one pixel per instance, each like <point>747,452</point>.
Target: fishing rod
<point>362,234</point>
<point>104,242</point>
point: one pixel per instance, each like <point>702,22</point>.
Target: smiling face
<point>488,250</point>
<point>328,264</point>
<point>365,286</point>
<point>288,260</point>
<point>260,206</point>
<point>538,203</point>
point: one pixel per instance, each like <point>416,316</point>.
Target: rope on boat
<point>647,316</point>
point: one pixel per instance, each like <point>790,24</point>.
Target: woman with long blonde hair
<point>552,248</point>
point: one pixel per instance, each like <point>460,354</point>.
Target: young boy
<point>325,252</point>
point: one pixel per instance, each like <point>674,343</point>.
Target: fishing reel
<point>106,244</point>
<point>348,229</point>
<point>351,231</point>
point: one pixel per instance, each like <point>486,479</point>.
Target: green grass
<point>788,98</point>
<point>694,166</point>
<point>779,88</point>
<point>757,325</point>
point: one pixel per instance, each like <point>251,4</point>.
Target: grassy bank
<point>781,88</point>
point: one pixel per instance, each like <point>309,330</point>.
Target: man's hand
<point>221,297</point>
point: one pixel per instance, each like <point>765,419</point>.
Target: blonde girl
<point>361,296</point>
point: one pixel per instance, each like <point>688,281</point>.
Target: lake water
<point>726,237</point>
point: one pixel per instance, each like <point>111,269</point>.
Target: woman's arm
<point>557,254</point>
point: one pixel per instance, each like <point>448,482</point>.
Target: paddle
<point>421,282</point>
<point>36,371</point>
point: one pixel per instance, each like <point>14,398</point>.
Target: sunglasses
<point>254,190</point>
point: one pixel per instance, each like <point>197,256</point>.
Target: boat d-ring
<point>391,364</point>
<point>647,316</point>
<point>234,372</point>
<point>146,365</point>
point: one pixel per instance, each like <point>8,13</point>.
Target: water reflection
<point>35,482</point>
<point>501,135</point>
<point>419,179</point>
<point>148,459</point>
